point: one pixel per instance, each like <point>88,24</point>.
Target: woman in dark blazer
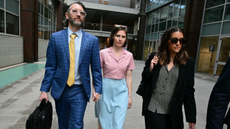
<point>170,77</point>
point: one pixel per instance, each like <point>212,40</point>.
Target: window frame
<point>5,11</point>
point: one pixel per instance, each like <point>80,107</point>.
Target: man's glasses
<point>121,26</point>
<point>75,12</point>
<point>175,40</point>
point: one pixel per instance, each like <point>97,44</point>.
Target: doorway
<point>223,52</point>
<point>150,46</point>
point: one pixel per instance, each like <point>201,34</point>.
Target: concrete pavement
<point>20,98</point>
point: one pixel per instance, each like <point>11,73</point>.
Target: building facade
<point>206,24</point>
<point>25,29</point>
<point>26,26</point>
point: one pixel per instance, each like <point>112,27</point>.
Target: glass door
<point>157,44</point>
<point>222,55</point>
<point>150,46</point>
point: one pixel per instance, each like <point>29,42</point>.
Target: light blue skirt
<point>112,107</point>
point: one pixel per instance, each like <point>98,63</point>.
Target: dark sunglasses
<point>175,40</point>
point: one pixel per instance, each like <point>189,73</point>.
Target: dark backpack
<point>41,118</point>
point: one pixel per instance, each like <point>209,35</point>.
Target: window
<point>176,8</point>
<point>174,23</point>
<point>40,32</point>
<point>163,1</point>
<point>46,12</point>
<point>206,60</point>
<point>155,4</point>
<point>183,7</point>
<point>211,3</point>
<point>2,3</point>
<point>148,29</point>
<point>156,27</point>
<point>164,13</point>
<point>152,28</point>
<point>46,19</point>
<point>214,14</point>
<point>9,16</point>
<point>2,27</point>
<point>211,29</point>
<point>149,19</point>
<point>149,2</point>
<point>170,15</point>
<point>12,6</point>
<point>225,29</point>
<point>12,24</point>
<point>169,24</point>
<point>227,12</point>
<point>162,26</point>
<point>154,18</point>
<point>157,15</point>
<point>181,22</point>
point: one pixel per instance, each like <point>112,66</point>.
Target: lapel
<point>84,42</point>
<point>112,54</point>
<point>155,76</point>
<point>181,77</point>
<point>65,43</point>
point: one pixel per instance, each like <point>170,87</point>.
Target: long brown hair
<point>181,57</point>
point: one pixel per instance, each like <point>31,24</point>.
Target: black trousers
<point>157,121</point>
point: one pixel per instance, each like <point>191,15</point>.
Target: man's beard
<point>73,22</point>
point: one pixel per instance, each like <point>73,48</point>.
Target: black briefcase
<point>41,118</point>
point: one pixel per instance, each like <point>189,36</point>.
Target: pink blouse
<point>113,67</point>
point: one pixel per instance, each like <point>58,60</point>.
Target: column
<point>141,32</point>
<point>60,15</point>
<point>29,29</point>
<point>192,25</point>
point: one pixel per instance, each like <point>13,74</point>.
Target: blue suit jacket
<point>58,60</point>
<point>219,100</point>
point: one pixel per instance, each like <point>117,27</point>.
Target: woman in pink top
<point>117,64</point>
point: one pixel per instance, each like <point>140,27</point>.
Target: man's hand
<point>43,95</point>
<point>96,97</point>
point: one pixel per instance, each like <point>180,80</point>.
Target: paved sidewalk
<point>19,99</point>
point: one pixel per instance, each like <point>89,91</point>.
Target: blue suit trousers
<point>71,107</point>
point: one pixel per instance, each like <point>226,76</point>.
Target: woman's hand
<point>153,63</point>
<point>191,125</point>
<point>96,97</point>
<point>130,103</point>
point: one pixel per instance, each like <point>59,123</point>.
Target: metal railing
<point>104,27</point>
<point>121,3</point>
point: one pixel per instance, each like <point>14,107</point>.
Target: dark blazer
<point>57,64</point>
<point>183,94</point>
<point>219,100</point>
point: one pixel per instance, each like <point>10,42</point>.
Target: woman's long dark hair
<point>181,57</point>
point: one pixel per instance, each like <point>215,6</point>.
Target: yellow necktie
<point>71,78</point>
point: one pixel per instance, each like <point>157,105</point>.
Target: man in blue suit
<point>70,52</point>
<point>219,100</point>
